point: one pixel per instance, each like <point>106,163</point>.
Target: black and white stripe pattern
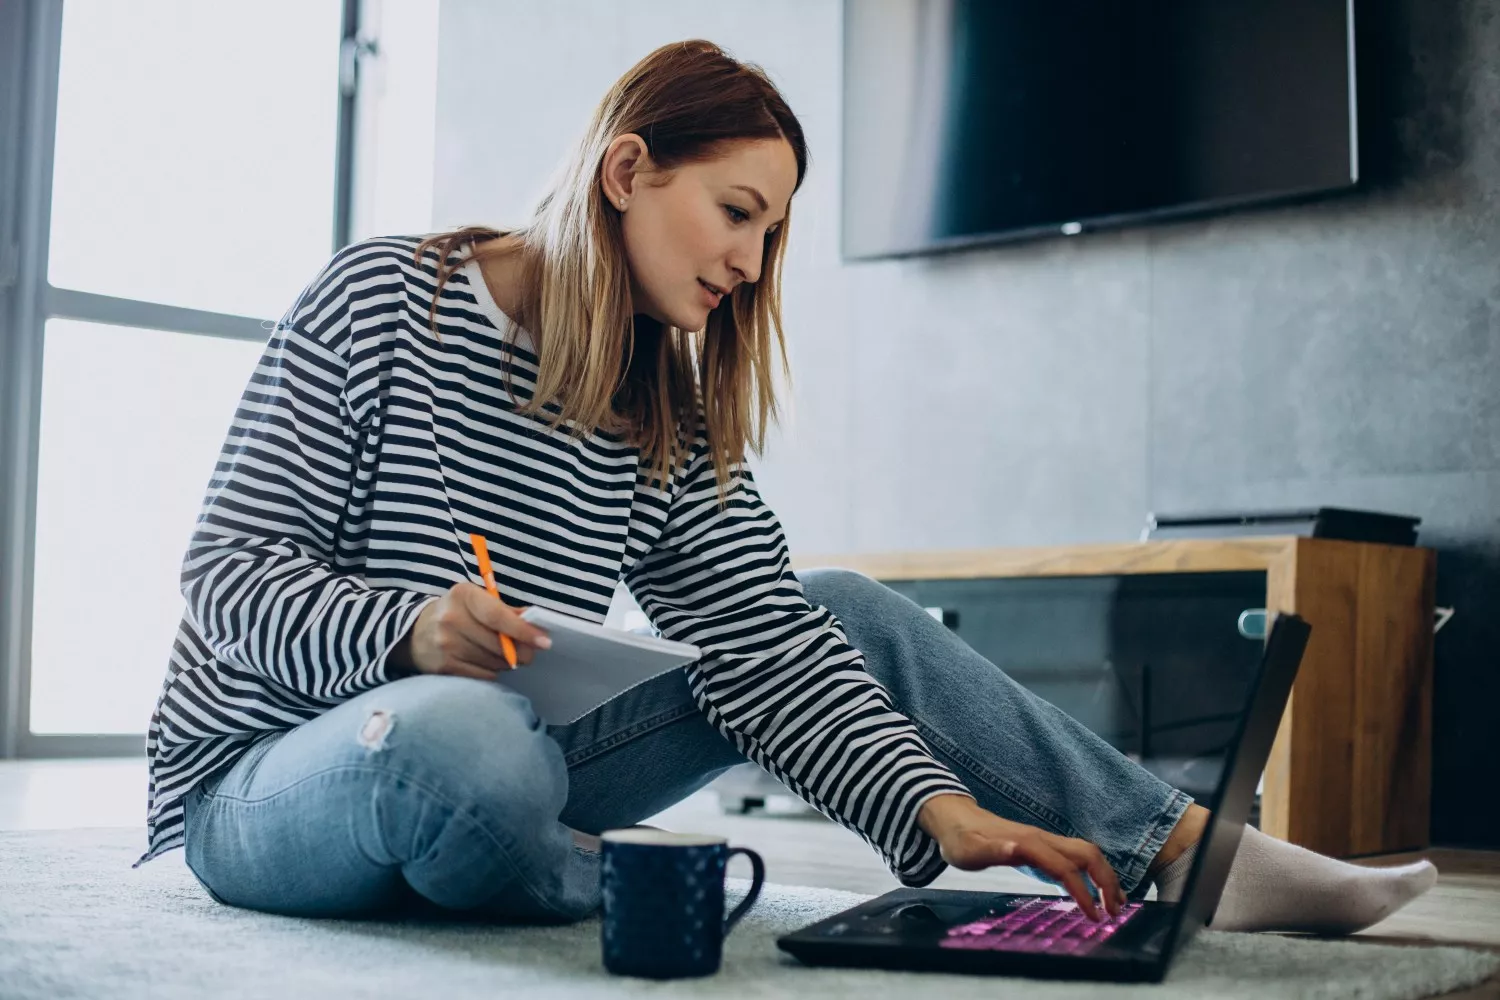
<point>363,454</point>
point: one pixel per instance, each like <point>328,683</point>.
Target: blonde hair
<point>605,369</point>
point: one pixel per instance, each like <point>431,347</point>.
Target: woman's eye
<point>737,214</point>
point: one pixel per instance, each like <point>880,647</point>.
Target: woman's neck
<point>503,269</point>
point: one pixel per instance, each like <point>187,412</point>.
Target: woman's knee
<point>883,624</point>
<point>871,613</point>
<point>839,589</point>
<point>472,742</point>
<point>450,762</point>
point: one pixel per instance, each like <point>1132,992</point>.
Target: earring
<point>622,204</point>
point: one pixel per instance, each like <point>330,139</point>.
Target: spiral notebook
<point>588,665</point>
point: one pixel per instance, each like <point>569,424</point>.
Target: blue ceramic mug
<point>664,901</point>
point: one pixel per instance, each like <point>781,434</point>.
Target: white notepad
<point>588,665</point>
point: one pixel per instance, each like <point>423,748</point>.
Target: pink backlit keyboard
<point>1049,925</point>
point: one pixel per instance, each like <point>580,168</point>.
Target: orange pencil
<point>482,553</point>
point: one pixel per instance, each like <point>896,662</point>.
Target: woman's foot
<point>1277,886</point>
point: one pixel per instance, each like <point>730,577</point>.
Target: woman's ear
<point>625,157</point>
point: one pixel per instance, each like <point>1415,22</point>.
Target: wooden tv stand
<point>1350,772</point>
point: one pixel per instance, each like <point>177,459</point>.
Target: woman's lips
<point>710,296</point>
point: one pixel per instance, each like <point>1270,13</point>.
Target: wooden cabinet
<point>1350,771</point>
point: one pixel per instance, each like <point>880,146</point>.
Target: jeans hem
<point>1134,875</point>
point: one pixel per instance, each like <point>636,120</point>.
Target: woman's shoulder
<point>395,256</point>
<point>358,277</point>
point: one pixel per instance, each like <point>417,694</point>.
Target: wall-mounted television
<point>977,121</point>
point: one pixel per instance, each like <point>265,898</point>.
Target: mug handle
<point>757,879</point>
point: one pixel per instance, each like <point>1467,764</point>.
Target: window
<point>132,423</point>
<point>194,164</point>
<point>194,158</point>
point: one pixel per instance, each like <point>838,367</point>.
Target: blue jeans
<point>448,794</point>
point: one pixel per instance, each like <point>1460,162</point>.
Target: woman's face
<point>706,225</point>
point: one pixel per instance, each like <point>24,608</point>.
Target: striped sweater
<point>363,453</point>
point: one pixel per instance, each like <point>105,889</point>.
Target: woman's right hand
<point>458,634</point>
<point>972,838</point>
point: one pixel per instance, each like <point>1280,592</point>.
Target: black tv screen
<point>973,121</point>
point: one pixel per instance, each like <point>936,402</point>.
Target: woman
<point>583,392</point>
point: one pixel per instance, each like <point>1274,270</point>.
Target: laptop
<point>1048,936</point>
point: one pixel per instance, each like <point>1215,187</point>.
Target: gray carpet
<point>76,921</point>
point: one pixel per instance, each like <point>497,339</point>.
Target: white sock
<point>1277,886</point>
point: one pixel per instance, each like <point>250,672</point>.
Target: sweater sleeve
<point>778,677</point>
<point>259,574</point>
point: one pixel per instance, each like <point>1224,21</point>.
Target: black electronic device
<point>974,121</point>
<point>1047,936</point>
<point>1309,522</point>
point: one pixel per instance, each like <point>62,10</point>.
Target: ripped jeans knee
<point>375,730</point>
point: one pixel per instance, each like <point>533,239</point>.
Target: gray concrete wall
<point>1344,351</point>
